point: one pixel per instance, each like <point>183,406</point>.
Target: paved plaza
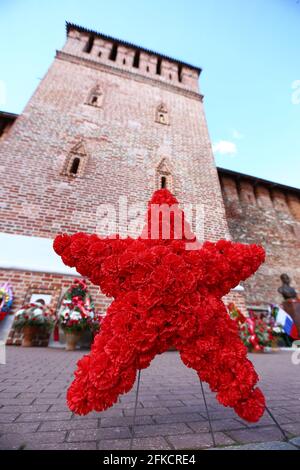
<point>170,413</point>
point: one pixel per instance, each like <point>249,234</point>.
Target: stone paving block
<point>44,437</point>
<point>8,394</point>
<point>8,417</point>
<point>99,434</point>
<point>192,402</point>
<point>70,424</point>
<point>177,418</point>
<point>15,401</point>
<point>222,414</point>
<point>273,445</point>
<point>18,428</point>
<point>147,411</point>
<point>58,407</point>
<point>13,441</point>
<point>161,429</point>
<point>187,409</point>
<point>244,436</point>
<point>125,421</point>
<point>127,406</point>
<point>24,409</point>
<point>198,441</point>
<point>40,400</point>
<point>48,416</point>
<point>217,425</point>
<point>110,412</point>
<point>161,403</point>
<point>63,446</point>
<point>153,443</point>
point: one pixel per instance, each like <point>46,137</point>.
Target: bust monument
<point>291,303</point>
<point>287,291</point>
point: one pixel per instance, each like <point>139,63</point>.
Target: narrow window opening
<point>75,166</point>
<point>170,76</point>
<point>89,45</point>
<point>100,54</point>
<point>95,97</point>
<point>124,61</point>
<point>113,52</point>
<point>162,114</point>
<point>163,182</point>
<point>158,66</point>
<point>147,68</point>
<point>179,73</point>
<point>136,59</point>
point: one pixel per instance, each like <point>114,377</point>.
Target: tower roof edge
<point>70,26</point>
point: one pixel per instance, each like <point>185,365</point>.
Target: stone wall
<point>268,214</point>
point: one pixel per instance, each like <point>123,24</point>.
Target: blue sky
<point>248,50</point>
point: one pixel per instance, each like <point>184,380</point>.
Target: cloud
<point>224,147</point>
<point>236,134</point>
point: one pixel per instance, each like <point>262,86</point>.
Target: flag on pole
<point>287,323</point>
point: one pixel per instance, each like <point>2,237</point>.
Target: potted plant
<point>31,319</point>
<point>77,314</point>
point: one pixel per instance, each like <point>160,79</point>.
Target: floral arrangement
<point>77,311</point>
<point>6,299</point>
<point>255,332</point>
<point>35,314</point>
<point>164,295</point>
<point>236,314</point>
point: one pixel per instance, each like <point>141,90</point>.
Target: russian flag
<point>287,323</point>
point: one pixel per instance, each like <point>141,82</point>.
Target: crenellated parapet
<point>249,191</point>
<point>268,213</point>
<point>106,50</point>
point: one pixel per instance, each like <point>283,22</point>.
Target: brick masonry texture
<point>171,412</point>
<point>124,151</point>
<point>258,213</point>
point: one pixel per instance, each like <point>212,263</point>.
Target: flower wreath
<point>34,314</point>
<point>77,311</point>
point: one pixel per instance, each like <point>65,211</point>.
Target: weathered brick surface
<point>257,213</point>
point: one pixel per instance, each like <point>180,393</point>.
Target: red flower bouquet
<point>164,295</point>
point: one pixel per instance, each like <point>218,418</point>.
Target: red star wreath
<point>164,295</point>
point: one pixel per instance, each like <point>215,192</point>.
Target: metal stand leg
<point>135,408</point>
<point>208,417</point>
<point>277,424</point>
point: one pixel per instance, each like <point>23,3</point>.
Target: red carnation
<point>60,243</point>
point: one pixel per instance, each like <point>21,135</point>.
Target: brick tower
<point>109,119</point>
